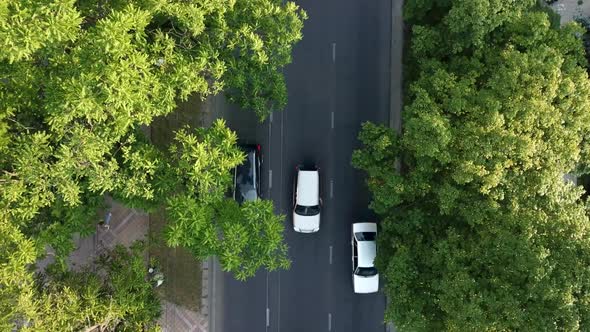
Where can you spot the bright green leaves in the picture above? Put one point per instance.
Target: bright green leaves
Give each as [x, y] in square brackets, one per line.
[121, 298]
[78, 81]
[465, 23]
[27, 186]
[17, 252]
[257, 241]
[262, 41]
[29, 25]
[191, 225]
[204, 158]
[378, 159]
[244, 238]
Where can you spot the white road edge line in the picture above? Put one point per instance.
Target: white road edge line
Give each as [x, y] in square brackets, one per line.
[332, 119]
[331, 188]
[269, 179]
[279, 309]
[269, 146]
[267, 309]
[329, 322]
[330, 255]
[334, 52]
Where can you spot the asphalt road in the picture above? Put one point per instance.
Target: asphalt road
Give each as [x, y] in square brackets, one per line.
[339, 78]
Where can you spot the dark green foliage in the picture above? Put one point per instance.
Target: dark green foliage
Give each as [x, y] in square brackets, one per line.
[480, 232]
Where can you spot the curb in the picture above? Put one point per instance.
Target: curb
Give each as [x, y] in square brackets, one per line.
[215, 285]
[213, 108]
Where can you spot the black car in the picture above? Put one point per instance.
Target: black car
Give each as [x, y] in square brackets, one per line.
[247, 175]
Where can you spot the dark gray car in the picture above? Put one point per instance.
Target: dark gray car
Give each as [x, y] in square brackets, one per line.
[247, 175]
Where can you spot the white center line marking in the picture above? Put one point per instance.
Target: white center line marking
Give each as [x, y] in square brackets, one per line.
[279, 310]
[267, 309]
[269, 179]
[269, 145]
[331, 188]
[332, 120]
[330, 255]
[334, 52]
[329, 322]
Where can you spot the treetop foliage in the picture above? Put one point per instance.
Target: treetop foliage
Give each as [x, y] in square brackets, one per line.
[78, 79]
[78, 82]
[480, 232]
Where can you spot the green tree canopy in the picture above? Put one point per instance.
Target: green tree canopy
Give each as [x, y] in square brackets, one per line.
[244, 238]
[480, 232]
[78, 79]
[461, 25]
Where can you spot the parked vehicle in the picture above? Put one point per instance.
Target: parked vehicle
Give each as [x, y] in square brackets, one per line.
[247, 175]
[306, 200]
[365, 278]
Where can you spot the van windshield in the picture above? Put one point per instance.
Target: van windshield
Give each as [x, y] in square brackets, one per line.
[366, 271]
[307, 210]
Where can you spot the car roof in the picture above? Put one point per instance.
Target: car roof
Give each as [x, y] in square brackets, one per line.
[367, 251]
[364, 227]
[308, 187]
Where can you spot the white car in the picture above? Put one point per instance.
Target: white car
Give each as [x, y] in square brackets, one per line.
[306, 201]
[365, 278]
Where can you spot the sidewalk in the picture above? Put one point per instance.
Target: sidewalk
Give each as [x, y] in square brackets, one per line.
[189, 313]
[127, 226]
[213, 108]
[569, 10]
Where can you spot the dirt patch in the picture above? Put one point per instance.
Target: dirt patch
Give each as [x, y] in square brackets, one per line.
[187, 113]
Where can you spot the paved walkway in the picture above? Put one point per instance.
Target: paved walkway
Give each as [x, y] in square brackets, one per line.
[125, 227]
[569, 10]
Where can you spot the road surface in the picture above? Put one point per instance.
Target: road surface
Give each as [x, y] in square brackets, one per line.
[339, 78]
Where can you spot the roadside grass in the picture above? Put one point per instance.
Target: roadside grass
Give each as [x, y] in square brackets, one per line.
[182, 272]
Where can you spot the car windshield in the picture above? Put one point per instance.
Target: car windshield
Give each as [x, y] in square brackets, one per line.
[307, 210]
[366, 271]
[246, 179]
[246, 175]
[365, 236]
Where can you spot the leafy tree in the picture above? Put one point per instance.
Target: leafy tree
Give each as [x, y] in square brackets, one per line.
[263, 41]
[462, 24]
[116, 296]
[480, 232]
[17, 296]
[244, 238]
[26, 26]
[488, 266]
[202, 160]
[78, 79]
[202, 219]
